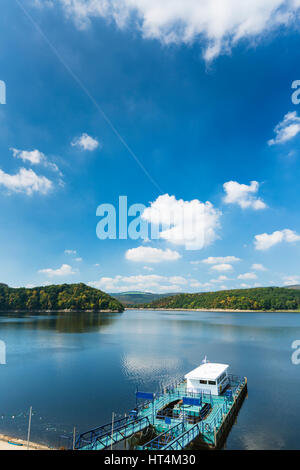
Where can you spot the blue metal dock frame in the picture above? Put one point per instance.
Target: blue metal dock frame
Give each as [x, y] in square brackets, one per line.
[180, 431]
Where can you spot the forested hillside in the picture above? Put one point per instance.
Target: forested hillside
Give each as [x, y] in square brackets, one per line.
[262, 298]
[135, 298]
[57, 297]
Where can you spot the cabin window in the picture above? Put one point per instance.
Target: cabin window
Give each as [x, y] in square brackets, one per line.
[211, 382]
[204, 382]
[222, 377]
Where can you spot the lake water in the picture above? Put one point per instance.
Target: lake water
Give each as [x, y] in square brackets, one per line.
[75, 369]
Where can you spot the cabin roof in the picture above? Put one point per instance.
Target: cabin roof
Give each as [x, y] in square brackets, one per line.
[209, 370]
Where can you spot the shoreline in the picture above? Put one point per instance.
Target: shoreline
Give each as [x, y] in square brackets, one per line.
[5, 444]
[61, 311]
[226, 310]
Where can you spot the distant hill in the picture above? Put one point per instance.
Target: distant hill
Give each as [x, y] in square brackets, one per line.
[57, 297]
[135, 298]
[293, 287]
[261, 298]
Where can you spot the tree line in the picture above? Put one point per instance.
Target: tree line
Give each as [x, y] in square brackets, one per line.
[261, 298]
[76, 297]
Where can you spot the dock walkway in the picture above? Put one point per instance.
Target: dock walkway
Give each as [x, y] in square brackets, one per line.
[176, 431]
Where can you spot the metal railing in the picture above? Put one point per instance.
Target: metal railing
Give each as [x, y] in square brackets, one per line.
[181, 441]
[118, 434]
[165, 437]
[89, 438]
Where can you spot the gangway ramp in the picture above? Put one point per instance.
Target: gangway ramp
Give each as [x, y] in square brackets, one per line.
[105, 436]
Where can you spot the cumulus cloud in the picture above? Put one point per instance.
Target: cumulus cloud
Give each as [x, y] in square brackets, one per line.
[35, 157]
[291, 280]
[265, 241]
[220, 259]
[200, 285]
[85, 142]
[64, 270]
[258, 267]
[147, 282]
[217, 25]
[147, 254]
[243, 195]
[219, 279]
[247, 276]
[288, 128]
[222, 267]
[193, 224]
[25, 181]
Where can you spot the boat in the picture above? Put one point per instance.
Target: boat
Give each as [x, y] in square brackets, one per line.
[201, 407]
[15, 443]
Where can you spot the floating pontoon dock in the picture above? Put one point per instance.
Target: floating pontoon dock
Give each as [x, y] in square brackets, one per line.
[179, 416]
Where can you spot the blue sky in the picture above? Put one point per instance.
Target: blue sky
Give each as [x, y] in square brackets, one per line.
[199, 105]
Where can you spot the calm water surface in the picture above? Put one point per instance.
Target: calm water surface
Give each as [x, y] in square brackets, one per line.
[75, 369]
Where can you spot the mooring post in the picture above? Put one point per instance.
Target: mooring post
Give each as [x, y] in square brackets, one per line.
[112, 429]
[74, 437]
[153, 409]
[29, 427]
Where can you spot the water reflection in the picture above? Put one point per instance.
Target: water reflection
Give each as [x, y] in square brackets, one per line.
[69, 322]
[76, 368]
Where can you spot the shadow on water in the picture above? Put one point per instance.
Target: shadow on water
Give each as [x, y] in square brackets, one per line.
[62, 322]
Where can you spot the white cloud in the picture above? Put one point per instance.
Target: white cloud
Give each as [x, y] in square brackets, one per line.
[146, 254]
[25, 181]
[86, 142]
[222, 267]
[247, 276]
[148, 268]
[192, 224]
[70, 252]
[220, 259]
[35, 157]
[64, 270]
[147, 282]
[217, 24]
[202, 285]
[291, 280]
[78, 260]
[265, 241]
[288, 128]
[258, 267]
[243, 195]
[219, 279]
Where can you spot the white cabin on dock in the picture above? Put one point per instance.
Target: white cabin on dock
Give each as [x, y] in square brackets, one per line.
[209, 377]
